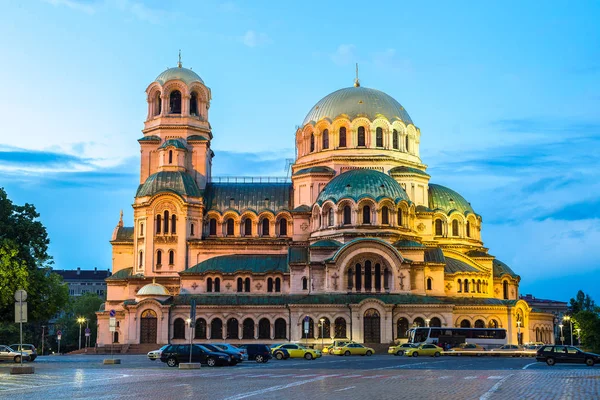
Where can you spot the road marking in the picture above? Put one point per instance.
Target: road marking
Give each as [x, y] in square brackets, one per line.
[494, 388]
[529, 365]
[350, 376]
[445, 377]
[373, 376]
[278, 387]
[404, 365]
[496, 377]
[470, 377]
[348, 388]
[30, 387]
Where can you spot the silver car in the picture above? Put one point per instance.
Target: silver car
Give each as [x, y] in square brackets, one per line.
[26, 348]
[155, 354]
[8, 354]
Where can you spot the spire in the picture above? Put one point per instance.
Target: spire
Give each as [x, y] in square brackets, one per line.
[356, 81]
[179, 62]
[120, 224]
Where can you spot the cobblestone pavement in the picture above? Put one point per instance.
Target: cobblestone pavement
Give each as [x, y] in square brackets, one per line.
[377, 377]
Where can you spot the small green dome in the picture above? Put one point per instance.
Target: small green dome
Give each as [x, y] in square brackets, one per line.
[173, 142]
[169, 181]
[357, 184]
[501, 269]
[179, 73]
[356, 102]
[447, 200]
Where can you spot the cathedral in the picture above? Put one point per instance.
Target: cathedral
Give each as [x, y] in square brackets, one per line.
[358, 244]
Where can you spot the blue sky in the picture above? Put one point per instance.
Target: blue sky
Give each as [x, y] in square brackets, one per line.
[506, 96]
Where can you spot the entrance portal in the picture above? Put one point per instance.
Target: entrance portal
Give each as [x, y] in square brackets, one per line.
[372, 326]
[148, 323]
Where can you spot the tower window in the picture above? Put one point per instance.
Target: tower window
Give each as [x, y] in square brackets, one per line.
[361, 136]
[141, 261]
[270, 285]
[406, 143]
[194, 104]
[379, 137]
[312, 143]
[265, 227]
[209, 285]
[347, 215]
[277, 285]
[159, 257]
[173, 224]
[247, 285]
[283, 227]
[429, 283]
[385, 217]
[166, 222]
[400, 217]
[212, 227]
[170, 156]
[455, 228]
[438, 227]
[230, 227]
[325, 139]
[171, 257]
[366, 215]
[247, 227]
[142, 229]
[240, 285]
[158, 223]
[304, 283]
[330, 217]
[395, 139]
[342, 137]
[158, 106]
[175, 102]
[217, 285]
[468, 229]
[192, 229]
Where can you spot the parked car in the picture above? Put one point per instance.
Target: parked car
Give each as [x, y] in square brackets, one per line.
[230, 347]
[467, 349]
[336, 343]
[298, 351]
[260, 353]
[155, 354]
[8, 354]
[25, 348]
[566, 354]
[424, 349]
[399, 349]
[280, 353]
[176, 353]
[512, 350]
[236, 356]
[353, 349]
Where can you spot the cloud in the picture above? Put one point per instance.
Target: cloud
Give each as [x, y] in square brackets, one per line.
[344, 54]
[83, 6]
[254, 39]
[16, 160]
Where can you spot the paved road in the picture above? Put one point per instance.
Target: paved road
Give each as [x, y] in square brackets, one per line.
[376, 377]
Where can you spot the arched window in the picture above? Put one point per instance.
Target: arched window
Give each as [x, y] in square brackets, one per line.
[233, 329]
[379, 137]
[402, 328]
[492, 323]
[466, 288]
[175, 102]
[361, 136]
[209, 285]
[158, 106]
[141, 258]
[212, 227]
[342, 137]
[283, 227]
[350, 279]
[311, 328]
[330, 217]
[435, 322]
[247, 227]
[400, 217]
[459, 290]
[357, 278]
[385, 217]
[347, 215]
[230, 227]
[366, 215]
[324, 328]
[217, 285]
[378, 277]
[194, 104]
[179, 329]
[386, 279]
[479, 324]
[265, 227]
[159, 257]
[419, 322]
[465, 323]
[478, 286]
[325, 139]
[339, 330]
[406, 143]
[312, 143]
[438, 227]
[277, 285]
[368, 276]
[429, 283]
[270, 285]
[192, 230]
[264, 329]
[247, 285]
[166, 222]
[173, 224]
[200, 329]
[171, 257]
[505, 290]
[468, 229]
[248, 329]
[280, 328]
[304, 283]
[170, 156]
[142, 229]
[158, 223]
[395, 139]
[216, 329]
[455, 228]
[240, 285]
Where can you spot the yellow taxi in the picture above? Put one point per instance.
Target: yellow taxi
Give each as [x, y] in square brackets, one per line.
[298, 351]
[399, 349]
[353, 349]
[336, 343]
[424, 349]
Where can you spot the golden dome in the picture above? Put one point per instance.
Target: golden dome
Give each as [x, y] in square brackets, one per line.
[153, 289]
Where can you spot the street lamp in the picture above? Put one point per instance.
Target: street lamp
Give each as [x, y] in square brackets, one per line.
[562, 339]
[568, 318]
[518, 332]
[189, 322]
[80, 321]
[578, 336]
[322, 321]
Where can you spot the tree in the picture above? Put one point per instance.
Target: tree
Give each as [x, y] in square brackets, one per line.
[589, 323]
[581, 302]
[84, 306]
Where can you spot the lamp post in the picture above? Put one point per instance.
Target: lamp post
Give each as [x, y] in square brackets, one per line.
[578, 336]
[562, 339]
[189, 322]
[43, 331]
[322, 321]
[518, 332]
[80, 321]
[568, 318]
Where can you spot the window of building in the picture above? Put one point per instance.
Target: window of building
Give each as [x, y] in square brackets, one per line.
[192, 229]
[141, 258]
[233, 328]
[170, 156]
[179, 329]
[304, 283]
[230, 227]
[265, 227]
[166, 222]
[438, 227]
[158, 106]
[505, 290]
[466, 286]
[200, 329]
[173, 224]
[217, 285]
[194, 104]
[248, 329]
[455, 228]
[361, 136]
[385, 217]
[280, 328]
[347, 215]
[459, 290]
[325, 139]
[212, 227]
[277, 285]
[283, 227]
[209, 285]
[339, 330]
[465, 323]
[366, 215]
[330, 217]
[264, 329]
[406, 143]
[159, 257]
[312, 143]
[171, 257]
[468, 229]
[395, 139]
[247, 227]
[247, 285]
[342, 137]
[158, 223]
[379, 137]
[142, 229]
[216, 329]
[400, 217]
[429, 283]
[270, 285]
[175, 102]
[240, 285]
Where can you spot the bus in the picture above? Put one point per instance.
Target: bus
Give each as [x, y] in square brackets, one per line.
[487, 337]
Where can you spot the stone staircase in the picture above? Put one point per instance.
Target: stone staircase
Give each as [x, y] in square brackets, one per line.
[142, 348]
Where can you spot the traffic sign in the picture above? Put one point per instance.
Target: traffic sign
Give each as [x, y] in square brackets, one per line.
[58, 337]
[87, 331]
[59, 333]
[193, 310]
[21, 312]
[112, 313]
[20, 295]
[306, 327]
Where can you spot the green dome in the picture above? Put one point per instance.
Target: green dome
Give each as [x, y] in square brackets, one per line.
[447, 200]
[360, 183]
[501, 269]
[173, 142]
[358, 102]
[178, 73]
[169, 181]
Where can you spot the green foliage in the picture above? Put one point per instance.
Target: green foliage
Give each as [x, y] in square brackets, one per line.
[84, 306]
[581, 302]
[14, 274]
[589, 323]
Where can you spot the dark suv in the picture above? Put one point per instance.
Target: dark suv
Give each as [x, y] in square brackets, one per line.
[176, 353]
[566, 354]
[259, 352]
[236, 356]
